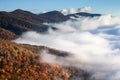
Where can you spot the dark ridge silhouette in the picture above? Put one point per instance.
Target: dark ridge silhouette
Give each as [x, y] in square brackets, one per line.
[15, 23]
[20, 21]
[28, 16]
[84, 14]
[54, 16]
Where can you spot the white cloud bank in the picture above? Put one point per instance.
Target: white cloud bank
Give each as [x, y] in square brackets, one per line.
[93, 43]
[87, 23]
[72, 10]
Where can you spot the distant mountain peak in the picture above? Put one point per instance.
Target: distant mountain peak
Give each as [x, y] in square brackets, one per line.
[52, 13]
[54, 16]
[21, 11]
[84, 14]
[18, 10]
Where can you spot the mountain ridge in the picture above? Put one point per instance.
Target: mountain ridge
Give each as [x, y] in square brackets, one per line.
[23, 61]
[84, 14]
[19, 21]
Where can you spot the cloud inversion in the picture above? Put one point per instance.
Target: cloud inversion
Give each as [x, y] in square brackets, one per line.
[93, 43]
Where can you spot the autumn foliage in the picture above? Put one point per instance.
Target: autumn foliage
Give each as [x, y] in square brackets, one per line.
[7, 35]
[18, 63]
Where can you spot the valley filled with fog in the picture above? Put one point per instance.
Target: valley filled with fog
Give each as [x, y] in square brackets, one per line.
[92, 42]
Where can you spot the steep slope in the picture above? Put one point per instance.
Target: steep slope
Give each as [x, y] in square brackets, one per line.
[7, 35]
[18, 25]
[18, 63]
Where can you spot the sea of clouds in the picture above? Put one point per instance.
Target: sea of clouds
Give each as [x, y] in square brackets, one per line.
[93, 42]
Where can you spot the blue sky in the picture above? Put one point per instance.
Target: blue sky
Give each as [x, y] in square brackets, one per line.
[99, 6]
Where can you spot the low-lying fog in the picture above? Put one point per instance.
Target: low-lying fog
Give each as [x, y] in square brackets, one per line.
[93, 42]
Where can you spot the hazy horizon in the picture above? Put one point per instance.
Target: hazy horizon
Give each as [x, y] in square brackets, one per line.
[98, 6]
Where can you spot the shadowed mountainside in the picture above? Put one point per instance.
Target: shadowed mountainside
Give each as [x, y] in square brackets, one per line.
[54, 16]
[19, 21]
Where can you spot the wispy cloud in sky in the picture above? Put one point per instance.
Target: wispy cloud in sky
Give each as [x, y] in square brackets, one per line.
[72, 10]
